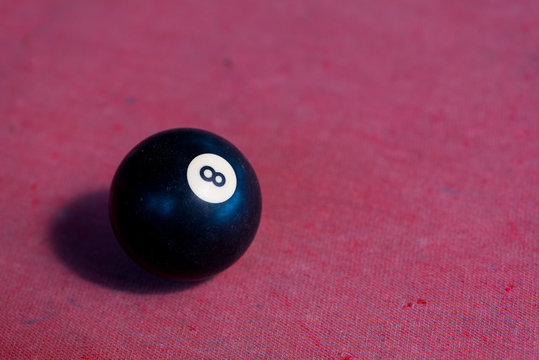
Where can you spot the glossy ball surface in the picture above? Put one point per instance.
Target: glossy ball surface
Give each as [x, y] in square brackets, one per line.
[185, 204]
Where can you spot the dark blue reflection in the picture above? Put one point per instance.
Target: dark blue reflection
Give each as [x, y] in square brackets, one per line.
[162, 204]
[229, 208]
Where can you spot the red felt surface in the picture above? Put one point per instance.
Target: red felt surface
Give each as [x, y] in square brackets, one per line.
[396, 143]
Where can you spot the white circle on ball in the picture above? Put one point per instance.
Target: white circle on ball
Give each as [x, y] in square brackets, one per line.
[211, 178]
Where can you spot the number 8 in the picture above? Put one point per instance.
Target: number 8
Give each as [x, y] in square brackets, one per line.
[216, 178]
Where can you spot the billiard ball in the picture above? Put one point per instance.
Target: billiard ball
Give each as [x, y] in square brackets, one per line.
[185, 204]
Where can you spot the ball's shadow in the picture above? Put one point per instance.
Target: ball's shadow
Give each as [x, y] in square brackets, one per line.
[82, 237]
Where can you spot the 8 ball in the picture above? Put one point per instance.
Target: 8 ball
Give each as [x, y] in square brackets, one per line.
[185, 204]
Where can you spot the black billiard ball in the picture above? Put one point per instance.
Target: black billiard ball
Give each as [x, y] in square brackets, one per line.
[185, 204]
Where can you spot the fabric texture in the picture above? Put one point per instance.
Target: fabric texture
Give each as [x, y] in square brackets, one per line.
[396, 143]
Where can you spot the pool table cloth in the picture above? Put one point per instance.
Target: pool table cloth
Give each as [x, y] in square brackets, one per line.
[397, 148]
